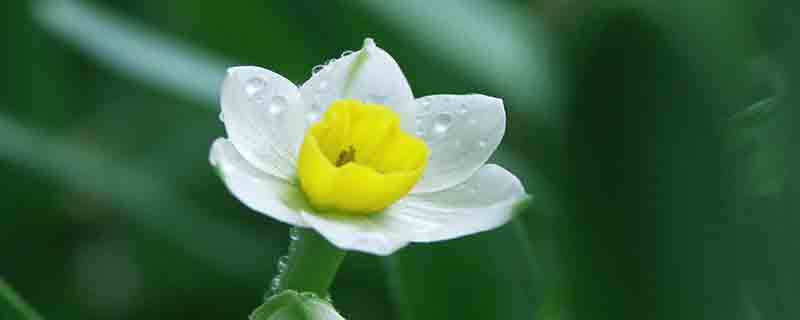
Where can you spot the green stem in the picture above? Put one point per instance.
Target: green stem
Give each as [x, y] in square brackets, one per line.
[312, 264]
[12, 305]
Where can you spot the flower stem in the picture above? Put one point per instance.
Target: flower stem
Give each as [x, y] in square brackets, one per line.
[312, 264]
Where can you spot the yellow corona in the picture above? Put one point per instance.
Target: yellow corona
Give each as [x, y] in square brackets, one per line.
[357, 160]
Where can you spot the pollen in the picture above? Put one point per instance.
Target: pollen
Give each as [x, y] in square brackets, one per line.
[357, 160]
[346, 156]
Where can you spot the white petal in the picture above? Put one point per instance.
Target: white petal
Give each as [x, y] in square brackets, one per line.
[485, 201]
[256, 189]
[370, 75]
[462, 131]
[368, 234]
[264, 117]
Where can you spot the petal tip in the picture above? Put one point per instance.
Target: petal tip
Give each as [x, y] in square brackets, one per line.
[369, 43]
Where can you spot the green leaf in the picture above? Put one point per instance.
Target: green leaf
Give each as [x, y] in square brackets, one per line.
[134, 50]
[756, 141]
[147, 201]
[12, 307]
[486, 276]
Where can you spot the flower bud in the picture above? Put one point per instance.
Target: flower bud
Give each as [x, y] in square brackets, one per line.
[291, 305]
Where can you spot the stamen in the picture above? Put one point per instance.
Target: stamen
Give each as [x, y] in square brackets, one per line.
[346, 156]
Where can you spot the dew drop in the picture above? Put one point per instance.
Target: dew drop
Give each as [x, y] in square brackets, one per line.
[278, 105]
[255, 88]
[442, 122]
[308, 295]
[275, 284]
[283, 264]
[222, 117]
[312, 116]
[316, 69]
[462, 110]
[316, 110]
[425, 106]
[377, 98]
[346, 53]
[294, 234]
[483, 143]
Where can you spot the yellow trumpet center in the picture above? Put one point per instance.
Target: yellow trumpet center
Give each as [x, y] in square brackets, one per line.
[357, 160]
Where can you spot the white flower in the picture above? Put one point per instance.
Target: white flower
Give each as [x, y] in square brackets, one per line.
[267, 119]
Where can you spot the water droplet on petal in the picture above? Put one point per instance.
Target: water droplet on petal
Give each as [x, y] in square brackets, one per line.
[222, 117]
[462, 110]
[346, 53]
[313, 115]
[278, 105]
[377, 98]
[442, 122]
[483, 143]
[256, 89]
[425, 106]
[316, 69]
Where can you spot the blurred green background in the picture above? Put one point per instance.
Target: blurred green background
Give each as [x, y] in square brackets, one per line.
[655, 138]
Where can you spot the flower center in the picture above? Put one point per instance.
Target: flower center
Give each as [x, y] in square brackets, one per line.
[346, 156]
[357, 160]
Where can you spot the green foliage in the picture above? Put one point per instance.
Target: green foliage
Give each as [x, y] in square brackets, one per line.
[756, 141]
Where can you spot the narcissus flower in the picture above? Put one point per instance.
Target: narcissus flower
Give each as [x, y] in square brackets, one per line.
[352, 154]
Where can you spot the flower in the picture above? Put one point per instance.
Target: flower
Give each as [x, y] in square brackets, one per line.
[352, 154]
